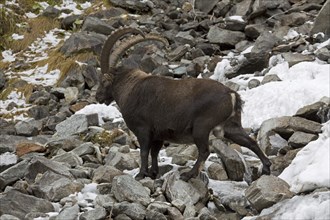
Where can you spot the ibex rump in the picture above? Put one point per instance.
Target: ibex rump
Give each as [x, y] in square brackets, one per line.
[158, 109]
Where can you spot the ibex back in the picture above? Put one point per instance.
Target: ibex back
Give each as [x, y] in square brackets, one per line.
[159, 109]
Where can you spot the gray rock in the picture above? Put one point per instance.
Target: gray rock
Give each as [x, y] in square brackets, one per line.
[281, 162]
[27, 128]
[175, 188]
[229, 193]
[126, 188]
[2, 80]
[105, 174]
[224, 37]
[13, 173]
[300, 139]
[217, 171]
[76, 124]
[83, 42]
[205, 6]
[135, 211]
[120, 160]
[151, 214]
[179, 204]
[8, 217]
[241, 8]
[323, 54]
[294, 58]
[38, 112]
[133, 5]
[54, 187]
[270, 78]
[189, 212]
[253, 31]
[51, 12]
[253, 83]
[321, 21]
[267, 191]
[69, 158]
[18, 204]
[318, 111]
[68, 213]
[174, 213]
[232, 161]
[83, 149]
[284, 125]
[99, 213]
[184, 37]
[293, 19]
[90, 75]
[160, 207]
[96, 25]
[40, 165]
[105, 201]
[234, 24]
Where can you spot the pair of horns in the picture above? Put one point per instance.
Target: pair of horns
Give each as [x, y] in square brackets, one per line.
[109, 58]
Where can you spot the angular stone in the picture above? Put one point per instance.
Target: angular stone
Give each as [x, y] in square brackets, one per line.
[189, 212]
[99, 213]
[313, 111]
[175, 188]
[105, 174]
[285, 125]
[54, 187]
[267, 191]
[83, 42]
[160, 207]
[96, 25]
[151, 215]
[104, 201]
[120, 160]
[174, 213]
[25, 128]
[294, 58]
[8, 217]
[13, 173]
[27, 147]
[68, 213]
[253, 83]
[69, 158]
[205, 6]
[224, 37]
[126, 188]
[40, 165]
[76, 124]
[85, 148]
[135, 211]
[232, 161]
[300, 139]
[18, 204]
[217, 171]
[321, 21]
[270, 78]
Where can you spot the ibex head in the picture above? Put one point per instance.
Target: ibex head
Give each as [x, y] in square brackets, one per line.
[110, 58]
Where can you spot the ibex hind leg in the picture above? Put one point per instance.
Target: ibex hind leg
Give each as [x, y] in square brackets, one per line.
[239, 136]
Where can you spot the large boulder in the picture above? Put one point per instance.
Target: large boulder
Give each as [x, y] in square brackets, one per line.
[267, 191]
[321, 23]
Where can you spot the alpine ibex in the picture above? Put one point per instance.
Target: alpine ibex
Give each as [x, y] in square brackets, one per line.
[159, 109]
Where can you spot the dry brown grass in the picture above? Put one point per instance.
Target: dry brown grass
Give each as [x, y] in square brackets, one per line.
[17, 85]
[36, 29]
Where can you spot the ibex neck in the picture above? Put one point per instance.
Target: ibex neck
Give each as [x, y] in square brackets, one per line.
[124, 82]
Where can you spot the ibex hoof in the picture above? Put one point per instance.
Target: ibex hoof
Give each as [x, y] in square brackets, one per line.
[265, 170]
[140, 176]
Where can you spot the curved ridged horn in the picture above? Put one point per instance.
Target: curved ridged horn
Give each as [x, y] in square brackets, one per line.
[110, 42]
[123, 47]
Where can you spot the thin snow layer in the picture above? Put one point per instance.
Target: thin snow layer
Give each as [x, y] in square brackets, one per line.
[312, 206]
[103, 111]
[310, 169]
[8, 159]
[301, 85]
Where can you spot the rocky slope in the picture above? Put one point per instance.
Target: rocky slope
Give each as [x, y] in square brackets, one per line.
[57, 163]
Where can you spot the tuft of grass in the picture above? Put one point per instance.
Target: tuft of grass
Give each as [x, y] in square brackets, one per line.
[8, 21]
[36, 29]
[18, 85]
[106, 138]
[56, 60]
